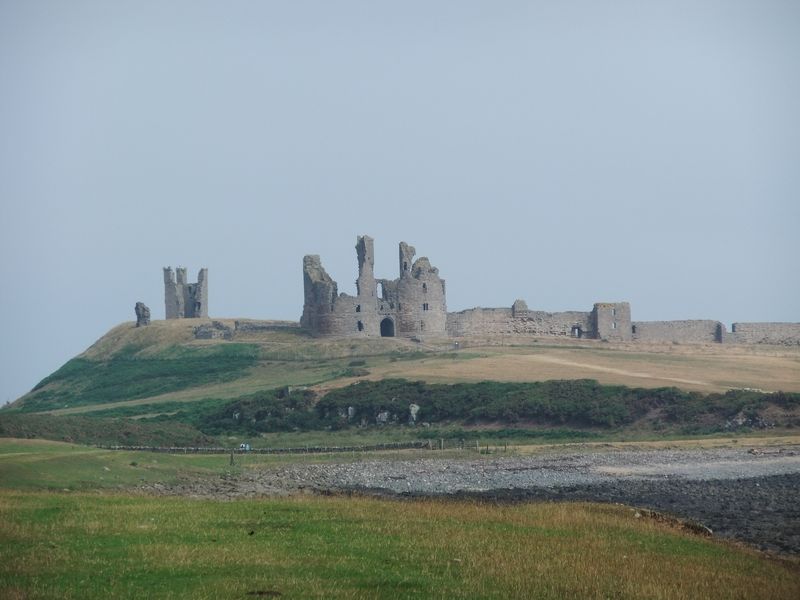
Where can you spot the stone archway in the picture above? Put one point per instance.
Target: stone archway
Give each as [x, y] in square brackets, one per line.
[387, 328]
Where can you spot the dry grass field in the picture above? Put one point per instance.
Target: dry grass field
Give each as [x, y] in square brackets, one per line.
[705, 368]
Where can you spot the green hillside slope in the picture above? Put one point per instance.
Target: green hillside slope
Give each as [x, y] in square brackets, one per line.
[274, 378]
[164, 363]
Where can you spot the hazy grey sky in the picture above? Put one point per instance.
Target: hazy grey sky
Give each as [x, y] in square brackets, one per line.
[564, 152]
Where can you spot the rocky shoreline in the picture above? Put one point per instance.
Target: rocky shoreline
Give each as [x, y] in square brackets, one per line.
[750, 495]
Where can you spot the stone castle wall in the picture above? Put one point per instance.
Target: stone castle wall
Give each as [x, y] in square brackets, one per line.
[606, 321]
[786, 334]
[690, 331]
[504, 321]
[415, 304]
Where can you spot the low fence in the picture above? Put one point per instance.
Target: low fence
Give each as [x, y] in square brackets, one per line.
[429, 444]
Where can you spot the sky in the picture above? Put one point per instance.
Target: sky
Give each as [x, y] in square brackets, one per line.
[562, 152]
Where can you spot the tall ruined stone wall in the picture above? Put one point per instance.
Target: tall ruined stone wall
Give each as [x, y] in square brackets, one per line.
[786, 334]
[508, 321]
[690, 331]
[183, 299]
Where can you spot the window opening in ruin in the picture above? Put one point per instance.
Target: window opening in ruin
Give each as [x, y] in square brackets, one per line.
[358, 308]
[633, 328]
[613, 324]
[613, 312]
[360, 326]
[425, 306]
[424, 288]
[577, 332]
[405, 266]
[387, 328]
[422, 325]
[380, 290]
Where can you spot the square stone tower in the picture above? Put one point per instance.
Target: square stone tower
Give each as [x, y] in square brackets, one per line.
[612, 321]
[183, 300]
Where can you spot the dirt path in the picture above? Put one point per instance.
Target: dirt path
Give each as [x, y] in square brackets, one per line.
[623, 372]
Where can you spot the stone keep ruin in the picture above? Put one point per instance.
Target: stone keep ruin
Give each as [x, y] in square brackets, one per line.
[415, 305]
[183, 299]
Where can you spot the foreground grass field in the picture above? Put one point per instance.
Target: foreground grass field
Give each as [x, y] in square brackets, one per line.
[101, 546]
[72, 526]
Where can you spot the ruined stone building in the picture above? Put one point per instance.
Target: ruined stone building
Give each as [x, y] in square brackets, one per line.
[415, 305]
[183, 299]
[412, 304]
[606, 320]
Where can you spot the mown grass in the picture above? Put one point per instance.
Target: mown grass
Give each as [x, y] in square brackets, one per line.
[101, 546]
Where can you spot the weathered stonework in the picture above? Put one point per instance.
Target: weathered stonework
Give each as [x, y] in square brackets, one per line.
[182, 299]
[612, 321]
[692, 331]
[142, 314]
[785, 334]
[414, 304]
[213, 331]
[609, 321]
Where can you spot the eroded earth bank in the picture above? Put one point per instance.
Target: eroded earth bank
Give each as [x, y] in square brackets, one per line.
[749, 494]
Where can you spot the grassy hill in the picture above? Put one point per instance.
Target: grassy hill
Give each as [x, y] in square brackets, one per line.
[161, 374]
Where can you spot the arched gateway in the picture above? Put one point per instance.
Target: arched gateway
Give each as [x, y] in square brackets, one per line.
[387, 328]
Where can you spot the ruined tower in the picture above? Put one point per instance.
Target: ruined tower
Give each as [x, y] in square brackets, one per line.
[413, 304]
[182, 299]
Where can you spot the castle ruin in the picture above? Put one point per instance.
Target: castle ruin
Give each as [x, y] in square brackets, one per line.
[410, 305]
[183, 300]
[414, 305]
